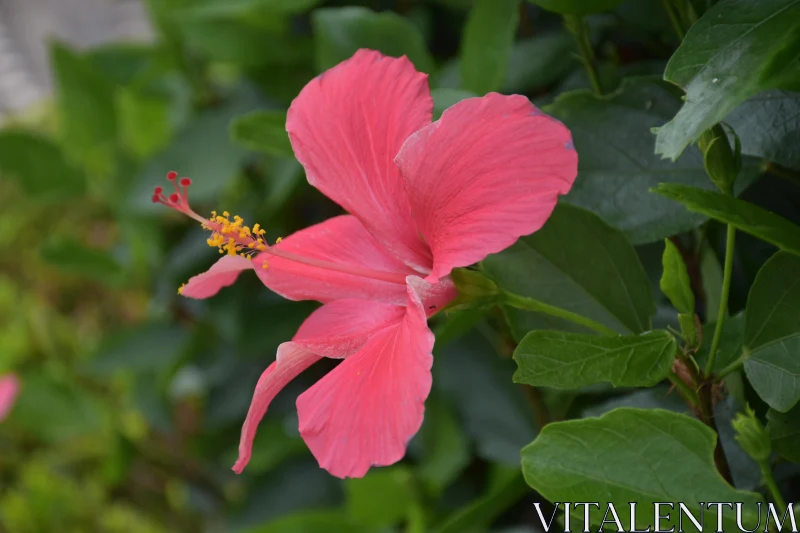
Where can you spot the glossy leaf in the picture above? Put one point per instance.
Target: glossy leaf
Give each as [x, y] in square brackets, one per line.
[310, 521]
[444, 446]
[150, 347]
[768, 125]
[622, 456]
[743, 215]
[264, 131]
[38, 166]
[784, 430]
[577, 7]
[340, 32]
[772, 332]
[381, 498]
[736, 50]
[578, 263]
[486, 44]
[617, 166]
[570, 360]
[539, 62]
[675, 283]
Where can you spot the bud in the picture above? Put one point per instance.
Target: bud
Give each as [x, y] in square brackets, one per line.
[475, 289]
[722, 164]
[751, 435]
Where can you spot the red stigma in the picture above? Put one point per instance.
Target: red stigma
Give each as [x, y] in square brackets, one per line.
[178, 200]
[185, 182]
[158, 190]
[172, 175]
[174, 198]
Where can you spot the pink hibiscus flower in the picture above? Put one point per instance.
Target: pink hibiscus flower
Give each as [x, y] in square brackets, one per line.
[424, 197]
[9, 388]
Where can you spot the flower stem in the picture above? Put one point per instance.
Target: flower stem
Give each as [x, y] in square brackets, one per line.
[730, 242]
[686, 390]
[529, 304]
[769, 481]
[577, 26]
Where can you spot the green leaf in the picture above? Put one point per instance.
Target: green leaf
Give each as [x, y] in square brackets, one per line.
[577, 7]
[493, 410]
[617, 166]
[339, 32]
[571, 360]
[736, 50]
[145, 348]
[381, 498]
[486, 44]
[444, 447]
[743, 215]
[202, 150]
[55, 411]
[784, 430]
[264, 131]
[551, 266]
[250, 7]
[72, 257]
[768, 125]
[538, 62]
[622, 456]
[730, 345]
[675, 283]
[38, 166]
[144, 121]
[772, 332]
[85, 99]
[505, 490]
[310, 521]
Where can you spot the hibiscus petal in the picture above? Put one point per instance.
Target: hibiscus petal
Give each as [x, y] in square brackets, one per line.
[9, 388]
[365, 411]
[341, 240]
[489, 171]
[341, 327]
[346, 127]
[222, 274]
[290, 361]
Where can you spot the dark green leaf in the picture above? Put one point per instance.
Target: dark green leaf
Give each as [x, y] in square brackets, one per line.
[538, 62]
[381, 498]
[149, 347]
[675, 283]
[578, 263]
[730, 345]
[772, 332]
[339, 32]
[310, 521]
[768, 125]
[617, 166]
[505, 489]
[38, 165]
[250, 7]
[784, 430]
[743, 215]
[202, 150]
[444, 446]
[632, 455]
[144, 122]
[571, 360]
[86, 106]
[486, 45]
[75, 258]
[264, 131]
[492, 408]
[577, 7]
[736, 50]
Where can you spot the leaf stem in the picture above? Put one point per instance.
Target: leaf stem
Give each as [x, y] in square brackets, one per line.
[673, 19]
[769, 481]
[685, 389]
[580, 31]
[730, 242]
[529, 304]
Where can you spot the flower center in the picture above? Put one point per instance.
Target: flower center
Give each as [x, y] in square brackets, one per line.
[232, 237]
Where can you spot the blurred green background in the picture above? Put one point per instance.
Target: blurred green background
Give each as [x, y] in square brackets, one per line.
[133, 397]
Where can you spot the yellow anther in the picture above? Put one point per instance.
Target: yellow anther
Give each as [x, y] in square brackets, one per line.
[213, 214]
[264, 265]
[261, 248]
[180, 289]
[278, 240]
[226, 214]
[256, 228]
